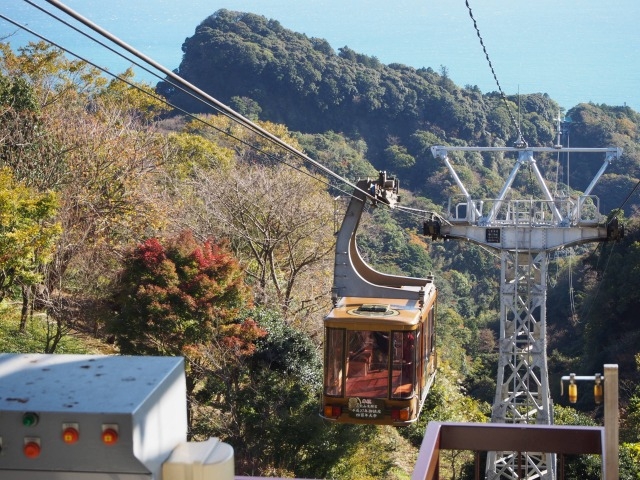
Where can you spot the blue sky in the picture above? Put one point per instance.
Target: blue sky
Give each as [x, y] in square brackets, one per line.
[574, 50]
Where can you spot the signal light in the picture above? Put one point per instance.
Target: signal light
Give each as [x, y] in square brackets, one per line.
[109, 435]
[70, 434]
[400, 414]
[332, 411]
[31, 448]
[573, 388]
[30, 419]
[598, 387]
[598, 393]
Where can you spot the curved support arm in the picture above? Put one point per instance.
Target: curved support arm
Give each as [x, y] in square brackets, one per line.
[353, 277]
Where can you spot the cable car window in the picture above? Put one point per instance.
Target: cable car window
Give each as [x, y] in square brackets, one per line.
[425, 353]
[367, 364]
[404, 364]
[334, 361]
[432, 330]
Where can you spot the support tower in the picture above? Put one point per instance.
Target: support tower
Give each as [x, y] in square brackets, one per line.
[523, 232]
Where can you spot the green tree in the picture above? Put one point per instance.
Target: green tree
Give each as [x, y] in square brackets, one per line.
[27, 236]
[66, 129]
[608, 306]
[340, 154]
[192, 151]
[630, 431]
[181, 297]
[246, 107]
[263, 401]
[398, 158]
[26, 148]
[268, 397]
[447, 402]
[630, 435]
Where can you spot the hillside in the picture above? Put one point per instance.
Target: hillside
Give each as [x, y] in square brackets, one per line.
[266, 71]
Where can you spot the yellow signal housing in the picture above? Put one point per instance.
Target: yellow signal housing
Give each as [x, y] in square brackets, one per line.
[598, 392]
[573, 389]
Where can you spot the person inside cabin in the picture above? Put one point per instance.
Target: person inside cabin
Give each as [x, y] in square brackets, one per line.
[380, 349]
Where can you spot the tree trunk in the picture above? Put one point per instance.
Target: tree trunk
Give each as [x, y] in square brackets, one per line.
[24, 313]
[53, 339]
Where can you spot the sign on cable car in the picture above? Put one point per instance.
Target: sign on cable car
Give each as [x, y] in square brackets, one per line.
[370, 408]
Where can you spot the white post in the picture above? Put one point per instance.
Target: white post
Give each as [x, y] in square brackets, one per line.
[611, 436]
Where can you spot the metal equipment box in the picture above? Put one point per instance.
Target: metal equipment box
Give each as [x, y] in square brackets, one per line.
[89, 417]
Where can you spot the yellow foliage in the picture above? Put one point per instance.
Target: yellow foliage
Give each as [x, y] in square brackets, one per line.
[228, 133]
[28, 233]
[49, 70]
[627, 127]
[136, 97]
[191, 151]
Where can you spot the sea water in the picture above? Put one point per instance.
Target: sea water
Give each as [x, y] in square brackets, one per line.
[575, 50]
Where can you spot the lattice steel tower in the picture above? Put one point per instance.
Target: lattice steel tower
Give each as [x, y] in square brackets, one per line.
[523, 231]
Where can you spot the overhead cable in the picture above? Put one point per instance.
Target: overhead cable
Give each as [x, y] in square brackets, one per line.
[176, 78]
[163, 100]
[521, 140]
[185, 87]
[133, 61]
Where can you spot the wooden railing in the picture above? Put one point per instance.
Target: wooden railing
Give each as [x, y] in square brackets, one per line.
[486, 437]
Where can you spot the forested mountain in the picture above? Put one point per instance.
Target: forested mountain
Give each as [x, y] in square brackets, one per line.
[157, 233]
[265, 71]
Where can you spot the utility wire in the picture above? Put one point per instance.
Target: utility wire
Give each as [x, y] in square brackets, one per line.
[120, 54]
[200, 93]
[166, 102]
[214, 104]
[129, 59]
[629, 196]
[521, 141]
[594, 297]
[93, 39]
[206, 99]
[259, 132]
[202, 97]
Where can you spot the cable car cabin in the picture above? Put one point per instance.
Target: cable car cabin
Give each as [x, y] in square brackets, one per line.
[380, 360]
[379, 346]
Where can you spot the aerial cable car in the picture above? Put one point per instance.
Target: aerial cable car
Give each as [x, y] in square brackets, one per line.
[379, 346]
